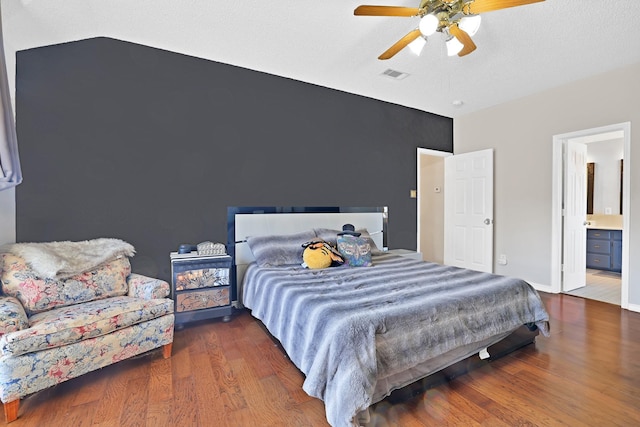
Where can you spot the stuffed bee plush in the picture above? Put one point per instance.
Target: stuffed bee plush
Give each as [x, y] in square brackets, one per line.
[320, 254]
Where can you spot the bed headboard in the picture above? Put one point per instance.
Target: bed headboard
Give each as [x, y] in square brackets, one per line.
[243, 222]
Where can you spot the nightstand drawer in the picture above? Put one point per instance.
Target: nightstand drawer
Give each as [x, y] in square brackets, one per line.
[197, 300]
[202, 278]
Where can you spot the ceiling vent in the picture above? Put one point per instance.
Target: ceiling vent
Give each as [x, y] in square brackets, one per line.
[393, 74]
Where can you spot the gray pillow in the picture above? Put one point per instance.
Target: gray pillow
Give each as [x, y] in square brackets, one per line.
[275, 250]
[328, 235]
[331, 236]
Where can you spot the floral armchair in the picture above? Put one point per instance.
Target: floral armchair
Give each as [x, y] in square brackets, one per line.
[52, 330]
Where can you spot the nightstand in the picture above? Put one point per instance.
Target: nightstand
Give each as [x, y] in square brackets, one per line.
[201, 288]
[406, 253]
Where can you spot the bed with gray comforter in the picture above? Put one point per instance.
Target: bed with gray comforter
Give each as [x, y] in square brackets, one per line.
[357, 334]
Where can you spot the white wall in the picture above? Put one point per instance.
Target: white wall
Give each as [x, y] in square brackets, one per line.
[7, 216]
[521, 133]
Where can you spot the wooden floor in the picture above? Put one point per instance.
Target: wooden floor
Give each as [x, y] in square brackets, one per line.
[231, 374]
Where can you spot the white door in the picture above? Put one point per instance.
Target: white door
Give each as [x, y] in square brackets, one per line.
[574, 256]
[468, 206]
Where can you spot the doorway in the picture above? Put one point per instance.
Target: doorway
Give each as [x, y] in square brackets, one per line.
[559, 202]
[430, 207]
[455, 208]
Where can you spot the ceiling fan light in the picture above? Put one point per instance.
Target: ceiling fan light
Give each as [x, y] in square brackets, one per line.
[428, 24]
[417, 45]
[453, 46]
[470, 24]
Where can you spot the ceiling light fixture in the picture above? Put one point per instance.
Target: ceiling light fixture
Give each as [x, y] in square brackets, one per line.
[429, 24]
[458, 20]
[470, 24]
[417, 45]
[453, 46]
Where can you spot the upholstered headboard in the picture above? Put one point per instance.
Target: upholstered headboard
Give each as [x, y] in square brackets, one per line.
[244, 222]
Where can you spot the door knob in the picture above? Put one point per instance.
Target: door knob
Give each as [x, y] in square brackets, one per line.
[487, 221]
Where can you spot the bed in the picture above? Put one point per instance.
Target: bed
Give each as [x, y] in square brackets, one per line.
[359, 333]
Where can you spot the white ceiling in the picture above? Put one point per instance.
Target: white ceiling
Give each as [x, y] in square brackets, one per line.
[522, 50]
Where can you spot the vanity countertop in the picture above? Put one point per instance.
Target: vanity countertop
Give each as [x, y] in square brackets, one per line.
[605, 222]
[604, 227]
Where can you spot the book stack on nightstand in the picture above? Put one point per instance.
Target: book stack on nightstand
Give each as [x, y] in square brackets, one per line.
[201, 288]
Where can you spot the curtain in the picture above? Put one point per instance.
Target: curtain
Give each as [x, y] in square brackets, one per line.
[10, 174]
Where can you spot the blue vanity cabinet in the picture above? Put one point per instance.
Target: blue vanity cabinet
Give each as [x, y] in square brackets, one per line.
[616, 251]
[604, 249]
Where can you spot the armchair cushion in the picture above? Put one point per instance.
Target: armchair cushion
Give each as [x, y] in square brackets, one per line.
[68, 325]
[37, 294]
[12, 316]
[147, 287]
[29, 373]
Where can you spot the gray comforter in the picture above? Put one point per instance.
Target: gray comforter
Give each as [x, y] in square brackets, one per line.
[346, 328]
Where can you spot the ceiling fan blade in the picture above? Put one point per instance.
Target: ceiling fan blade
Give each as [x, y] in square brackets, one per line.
[481, 6]
[400, 44]
[385, 11]
[464, 38]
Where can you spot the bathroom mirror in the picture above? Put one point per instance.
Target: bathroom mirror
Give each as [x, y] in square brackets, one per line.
[604, 187]
[590, 178]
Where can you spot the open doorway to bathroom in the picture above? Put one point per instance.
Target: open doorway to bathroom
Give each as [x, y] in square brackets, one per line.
[605, 166]
[606, 253]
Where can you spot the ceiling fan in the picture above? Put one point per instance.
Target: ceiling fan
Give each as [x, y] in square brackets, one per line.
[458, 20]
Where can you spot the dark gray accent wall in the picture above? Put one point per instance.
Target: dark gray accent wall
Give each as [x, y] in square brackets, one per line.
[122, 140]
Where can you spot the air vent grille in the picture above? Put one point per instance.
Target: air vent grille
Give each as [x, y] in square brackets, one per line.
[394, 74]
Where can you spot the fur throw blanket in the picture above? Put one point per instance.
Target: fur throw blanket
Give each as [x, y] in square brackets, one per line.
[61, 260]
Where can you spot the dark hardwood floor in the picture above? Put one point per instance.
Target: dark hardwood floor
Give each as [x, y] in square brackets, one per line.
[231, 374]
